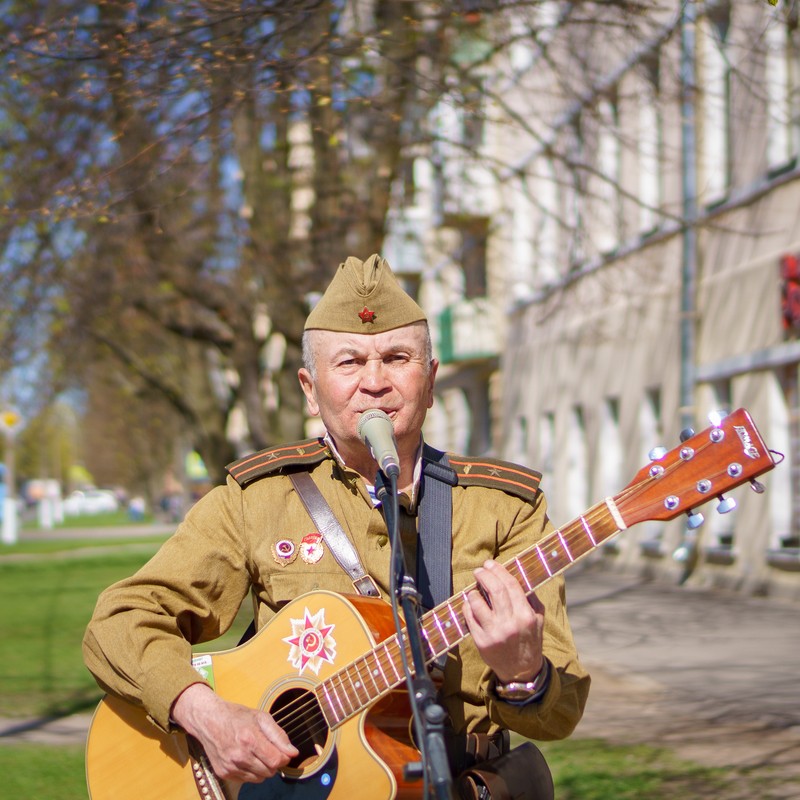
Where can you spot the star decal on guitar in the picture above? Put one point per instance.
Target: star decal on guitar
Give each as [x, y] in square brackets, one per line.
[311, 642]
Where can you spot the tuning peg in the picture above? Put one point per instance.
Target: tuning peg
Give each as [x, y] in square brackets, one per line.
[657, 453]
[687, 433]
[696, 519]
[725, 504]
[757, 486]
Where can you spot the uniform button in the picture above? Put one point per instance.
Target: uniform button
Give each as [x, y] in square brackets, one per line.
[383, 541]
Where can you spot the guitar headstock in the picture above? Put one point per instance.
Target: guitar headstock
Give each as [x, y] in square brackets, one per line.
[703, 467]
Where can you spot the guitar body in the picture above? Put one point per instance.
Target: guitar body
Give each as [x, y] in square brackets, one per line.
[128, 758]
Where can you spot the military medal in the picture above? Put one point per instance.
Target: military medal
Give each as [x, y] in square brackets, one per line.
[284, 552]
[311, 548]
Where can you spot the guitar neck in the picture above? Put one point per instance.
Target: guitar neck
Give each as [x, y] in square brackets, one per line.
[720, 458]
[376, 673]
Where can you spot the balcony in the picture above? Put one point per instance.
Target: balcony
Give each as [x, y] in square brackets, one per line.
[468, 331]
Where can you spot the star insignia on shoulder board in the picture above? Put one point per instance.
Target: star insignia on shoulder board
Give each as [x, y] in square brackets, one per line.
[494, 471]
[367, 315]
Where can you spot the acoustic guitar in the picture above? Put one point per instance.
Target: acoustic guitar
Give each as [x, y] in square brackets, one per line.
[329, 669]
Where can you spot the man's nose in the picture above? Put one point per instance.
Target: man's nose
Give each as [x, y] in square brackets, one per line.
[374, 376]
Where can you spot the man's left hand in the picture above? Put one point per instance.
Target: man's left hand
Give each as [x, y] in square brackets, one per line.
[508, 629]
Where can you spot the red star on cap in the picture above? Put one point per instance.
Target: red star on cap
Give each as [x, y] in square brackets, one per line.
[367, 315]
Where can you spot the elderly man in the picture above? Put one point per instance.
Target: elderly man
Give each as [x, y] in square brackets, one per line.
[366, 346]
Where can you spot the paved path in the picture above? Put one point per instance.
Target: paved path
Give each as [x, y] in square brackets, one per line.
[713, 675]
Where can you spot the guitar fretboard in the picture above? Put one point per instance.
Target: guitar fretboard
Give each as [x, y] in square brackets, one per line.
[349, 691]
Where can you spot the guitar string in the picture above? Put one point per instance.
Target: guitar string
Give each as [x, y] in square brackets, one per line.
[298, 711]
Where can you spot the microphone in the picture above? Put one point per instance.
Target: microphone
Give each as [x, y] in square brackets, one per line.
[375, 429]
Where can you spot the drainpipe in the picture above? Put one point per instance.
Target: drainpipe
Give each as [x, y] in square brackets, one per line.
[689, 189]
[688, 551]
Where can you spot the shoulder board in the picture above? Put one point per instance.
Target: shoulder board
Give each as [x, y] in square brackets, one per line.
[495, 474]
[277, 459]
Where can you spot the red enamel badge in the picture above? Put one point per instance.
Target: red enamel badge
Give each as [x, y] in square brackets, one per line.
[367, 315]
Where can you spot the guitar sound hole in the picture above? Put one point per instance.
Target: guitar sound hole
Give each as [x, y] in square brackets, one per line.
[298, 713]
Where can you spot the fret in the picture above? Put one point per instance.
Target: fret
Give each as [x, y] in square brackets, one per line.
[454, 617]
[329, 702]
[431, 651]
[564, 545]
[355, 686]
[588, 531]
[369, 672]
[524, 574]
[337, 699]
[397, 675]
[380, 667]
[543, 560]
[441, 628]
[346, 692]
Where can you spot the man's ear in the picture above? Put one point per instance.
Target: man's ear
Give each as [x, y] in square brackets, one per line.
[307, 385]
[432, 379]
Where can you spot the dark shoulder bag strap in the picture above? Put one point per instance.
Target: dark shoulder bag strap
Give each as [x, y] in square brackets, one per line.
[434, 550]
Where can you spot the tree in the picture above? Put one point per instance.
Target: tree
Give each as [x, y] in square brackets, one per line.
[185, 175]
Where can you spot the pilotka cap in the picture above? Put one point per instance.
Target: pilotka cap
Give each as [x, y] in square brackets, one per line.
[364, 297]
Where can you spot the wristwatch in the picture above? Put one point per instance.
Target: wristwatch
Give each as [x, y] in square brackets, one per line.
[524, 691]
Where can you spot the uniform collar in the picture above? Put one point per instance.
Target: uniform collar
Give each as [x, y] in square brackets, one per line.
[408, 500]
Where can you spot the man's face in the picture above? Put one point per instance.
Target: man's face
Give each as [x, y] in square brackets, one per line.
[358, 372]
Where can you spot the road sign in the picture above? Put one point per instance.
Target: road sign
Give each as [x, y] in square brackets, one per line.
[10, 420]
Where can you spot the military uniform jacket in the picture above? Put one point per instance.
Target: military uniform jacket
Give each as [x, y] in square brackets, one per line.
[254, 531]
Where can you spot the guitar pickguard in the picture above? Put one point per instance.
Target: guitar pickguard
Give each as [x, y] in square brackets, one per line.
[316, 787]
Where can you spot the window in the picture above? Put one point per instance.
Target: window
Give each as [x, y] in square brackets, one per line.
[714, 80]
[782, 82]
[546, 227]
[610, 456]
[472, 256]
[573, 197]
[606, 196]
[782, 436]
[523, 214]
[547, 449]
[577, 488]
[648, 148]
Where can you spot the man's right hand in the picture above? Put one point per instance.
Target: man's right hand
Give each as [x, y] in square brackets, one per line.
[243, 744]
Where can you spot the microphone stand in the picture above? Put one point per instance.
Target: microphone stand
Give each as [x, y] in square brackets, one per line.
[427, 713]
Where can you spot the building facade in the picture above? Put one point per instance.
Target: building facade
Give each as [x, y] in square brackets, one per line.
[622, 260]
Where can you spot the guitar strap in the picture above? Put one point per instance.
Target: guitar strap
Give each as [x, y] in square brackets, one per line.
[434, 578]
[434, 557]
[326, 523]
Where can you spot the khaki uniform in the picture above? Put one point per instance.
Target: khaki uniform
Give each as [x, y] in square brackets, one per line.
[255, 530]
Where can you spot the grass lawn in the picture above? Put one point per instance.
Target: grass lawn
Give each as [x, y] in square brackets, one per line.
[582, 770]
[45, 604]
